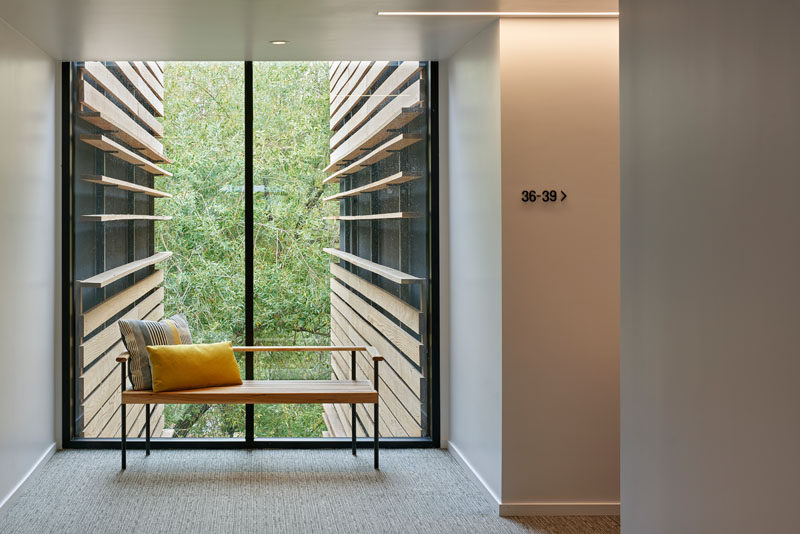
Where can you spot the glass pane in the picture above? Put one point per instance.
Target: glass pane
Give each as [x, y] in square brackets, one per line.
[368, 120]
[290, 149]
[204, 136]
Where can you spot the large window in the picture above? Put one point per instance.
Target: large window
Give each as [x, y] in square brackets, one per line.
[272, 204]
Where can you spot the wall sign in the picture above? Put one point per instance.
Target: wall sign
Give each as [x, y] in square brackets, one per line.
[547, 195]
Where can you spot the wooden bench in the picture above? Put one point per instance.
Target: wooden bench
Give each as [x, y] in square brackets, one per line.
[266, 392]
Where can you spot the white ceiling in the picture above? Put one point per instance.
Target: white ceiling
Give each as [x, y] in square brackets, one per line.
[242, 29]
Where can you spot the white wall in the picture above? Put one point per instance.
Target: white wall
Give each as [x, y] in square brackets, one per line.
[710, 266]
[475, 251]
[534, 289]
[27, 239]
[559, 87]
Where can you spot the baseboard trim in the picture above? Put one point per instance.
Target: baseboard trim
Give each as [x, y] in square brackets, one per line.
[12, 496]
[535, 508]
[463, 461]
[558, 508]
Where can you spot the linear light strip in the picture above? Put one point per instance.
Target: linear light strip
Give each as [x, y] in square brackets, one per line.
[529, 14]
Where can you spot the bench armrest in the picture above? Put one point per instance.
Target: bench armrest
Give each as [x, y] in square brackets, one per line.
[289, 348]
[373, 352]
[124, 357]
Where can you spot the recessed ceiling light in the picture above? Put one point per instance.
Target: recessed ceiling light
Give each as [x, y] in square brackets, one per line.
[279, 42]
[530, 14]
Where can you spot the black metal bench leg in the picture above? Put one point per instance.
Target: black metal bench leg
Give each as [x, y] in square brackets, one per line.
[376, 431]
[376, 438]
[124, 427]
[147, 430]
[123, 432]
[353, 426]
[353, 406]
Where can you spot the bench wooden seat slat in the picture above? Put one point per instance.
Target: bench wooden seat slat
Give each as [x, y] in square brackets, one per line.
[264, 392]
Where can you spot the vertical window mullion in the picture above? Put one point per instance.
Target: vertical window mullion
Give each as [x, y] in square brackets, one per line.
[249, 240]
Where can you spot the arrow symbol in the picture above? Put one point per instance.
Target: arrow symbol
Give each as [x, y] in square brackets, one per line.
[563, 196]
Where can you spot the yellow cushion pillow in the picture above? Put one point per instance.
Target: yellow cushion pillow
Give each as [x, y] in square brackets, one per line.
[178, 367]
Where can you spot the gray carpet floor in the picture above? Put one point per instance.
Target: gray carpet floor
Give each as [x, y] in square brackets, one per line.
[416, 491]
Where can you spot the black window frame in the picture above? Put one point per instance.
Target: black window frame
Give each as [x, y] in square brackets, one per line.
[249, 441]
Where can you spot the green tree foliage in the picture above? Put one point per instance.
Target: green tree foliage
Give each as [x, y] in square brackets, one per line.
[204, 136]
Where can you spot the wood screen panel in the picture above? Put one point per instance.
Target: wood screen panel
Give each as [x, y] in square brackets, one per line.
[117, 160]
[115, 87]
[379, 293]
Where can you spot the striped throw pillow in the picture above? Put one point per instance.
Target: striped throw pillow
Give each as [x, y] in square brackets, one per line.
[137, 335]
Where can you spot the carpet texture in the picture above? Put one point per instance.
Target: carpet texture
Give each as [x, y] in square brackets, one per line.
[416, 491]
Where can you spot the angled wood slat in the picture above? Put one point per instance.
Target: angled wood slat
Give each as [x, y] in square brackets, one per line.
[388, 399]
[345, 103]
[396, 384]
[338, 73]
[107, 393]
[338, 99]
[375, 216]
[332, 68]
[157, 314]
[343, 79]
[106, 364]
[110, 126]
[141, 87]
[151, 306]
[387, 90]
[101, 350]
[384, 183]
[107, 424]
[125, 186]
[111, 217]
[135, 419]
[158, 427]
[111, 84]
[107, 116]
[389, 426]
[94, 375]
[161, 65]
[153, 67]
[400, 111]
[395, 360]
[95, 427]
[406, 313]
[361, 417]
[136, 424]
[94, 347]
[368, 138]
[357, 95]
[149, 79]
[112, 275]
[335, 70]
[398, 277]
[389, 402]
[344, 413]
[107, 145]
[411, 347]
[101, 313]
[332, 422]
[393, 145]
